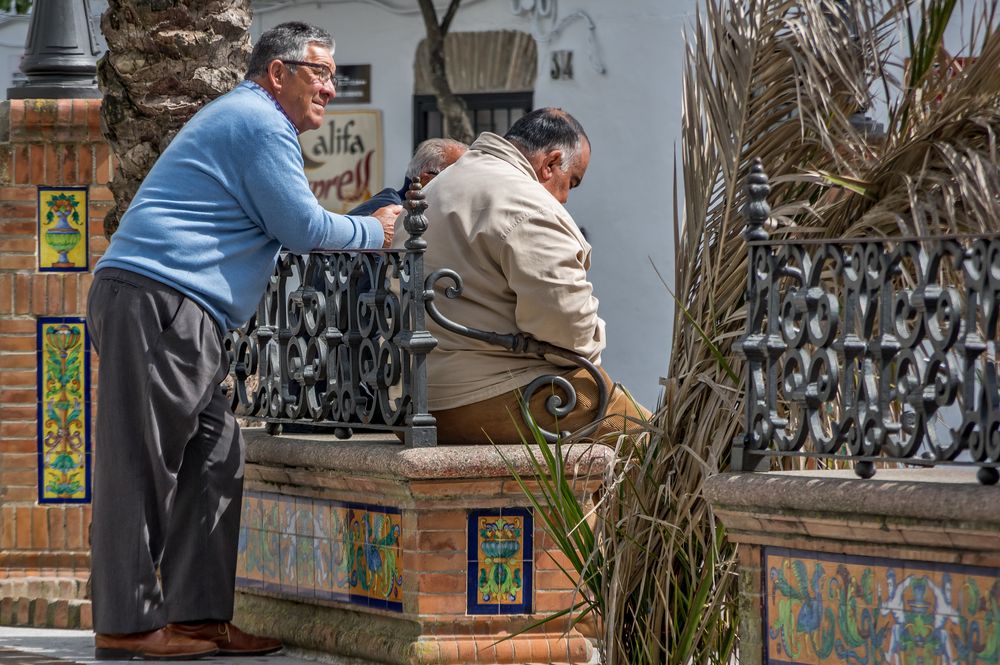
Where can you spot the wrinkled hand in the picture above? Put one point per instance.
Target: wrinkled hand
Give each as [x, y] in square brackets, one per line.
[387, 215]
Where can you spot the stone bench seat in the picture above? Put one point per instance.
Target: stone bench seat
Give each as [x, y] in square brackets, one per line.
[368, 549]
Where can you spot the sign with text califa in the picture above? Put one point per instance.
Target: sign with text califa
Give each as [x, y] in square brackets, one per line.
[344, 158]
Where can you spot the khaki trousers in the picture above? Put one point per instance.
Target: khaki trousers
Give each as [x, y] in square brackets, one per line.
[498, 419]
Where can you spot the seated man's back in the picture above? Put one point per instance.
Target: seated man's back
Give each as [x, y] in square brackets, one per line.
[496, 217]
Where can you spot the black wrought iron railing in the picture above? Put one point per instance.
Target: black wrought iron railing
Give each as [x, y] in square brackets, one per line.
[340, 340]
[870, 350]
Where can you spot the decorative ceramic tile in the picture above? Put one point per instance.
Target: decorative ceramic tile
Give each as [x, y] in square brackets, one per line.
[340, 570]
[373, 549]
[322, 559]
[249, 561]
[63, 410]
[500, 556]
[288, 563]
[823, 609]
[324, 549]
[62, 229]
[305, 566]
[269, 564]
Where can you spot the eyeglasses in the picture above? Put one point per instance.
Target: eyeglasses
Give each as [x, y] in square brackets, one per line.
[323, 73]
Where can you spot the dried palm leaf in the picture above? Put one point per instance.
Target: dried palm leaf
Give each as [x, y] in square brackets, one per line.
[786, 82]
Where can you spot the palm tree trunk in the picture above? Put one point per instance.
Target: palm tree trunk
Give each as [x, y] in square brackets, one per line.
[165, 60]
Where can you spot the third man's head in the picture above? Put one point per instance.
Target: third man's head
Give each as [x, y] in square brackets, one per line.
[433, 156]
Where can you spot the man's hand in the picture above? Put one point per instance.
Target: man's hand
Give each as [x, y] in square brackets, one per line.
[387, 216]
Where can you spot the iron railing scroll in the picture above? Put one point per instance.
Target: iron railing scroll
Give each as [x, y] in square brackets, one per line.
[339, 340]
[870, 350]
[563, 398]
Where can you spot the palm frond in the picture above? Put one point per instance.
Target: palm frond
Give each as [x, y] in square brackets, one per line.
[786, 81]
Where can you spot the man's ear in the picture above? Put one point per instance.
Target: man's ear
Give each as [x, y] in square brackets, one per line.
[275, 73]
[549, 161]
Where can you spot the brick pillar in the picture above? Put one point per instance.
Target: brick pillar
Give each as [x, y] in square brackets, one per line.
[49, 143]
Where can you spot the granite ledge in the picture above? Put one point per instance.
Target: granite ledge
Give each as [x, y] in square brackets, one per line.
[382, 455]
[946, 494]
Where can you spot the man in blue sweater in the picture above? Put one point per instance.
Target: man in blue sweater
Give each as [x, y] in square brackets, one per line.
[189, 262]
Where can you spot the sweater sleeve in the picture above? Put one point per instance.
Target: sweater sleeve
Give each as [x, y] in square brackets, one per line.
[278, 198]
[545, 266]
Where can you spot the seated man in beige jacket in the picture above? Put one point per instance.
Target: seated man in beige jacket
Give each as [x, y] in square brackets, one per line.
[496, 216]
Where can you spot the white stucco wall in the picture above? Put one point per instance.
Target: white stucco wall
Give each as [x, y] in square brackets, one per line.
[631, 113]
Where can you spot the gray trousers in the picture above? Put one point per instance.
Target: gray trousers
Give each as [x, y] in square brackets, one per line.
[168, 461]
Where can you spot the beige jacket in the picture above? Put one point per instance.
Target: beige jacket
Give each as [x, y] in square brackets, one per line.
[524, 264]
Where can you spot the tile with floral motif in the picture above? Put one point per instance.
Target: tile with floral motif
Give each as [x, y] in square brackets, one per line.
[826, 609]
[62, 229]
[500, 561]
[63, 410]
[315, 548]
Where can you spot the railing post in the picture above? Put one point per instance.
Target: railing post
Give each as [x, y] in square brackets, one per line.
[745, 454]
[418, 341]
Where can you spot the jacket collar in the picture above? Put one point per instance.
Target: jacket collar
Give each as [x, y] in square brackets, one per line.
[501, 148]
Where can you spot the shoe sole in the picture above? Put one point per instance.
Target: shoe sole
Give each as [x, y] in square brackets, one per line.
[258, 652]
[103, 653]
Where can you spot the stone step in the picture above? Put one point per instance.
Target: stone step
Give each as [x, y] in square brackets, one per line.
[68, 588]
[44, 613]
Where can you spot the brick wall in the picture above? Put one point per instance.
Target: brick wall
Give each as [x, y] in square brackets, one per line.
[42, 143]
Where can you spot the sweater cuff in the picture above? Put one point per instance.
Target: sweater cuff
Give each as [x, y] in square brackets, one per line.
[373, 228]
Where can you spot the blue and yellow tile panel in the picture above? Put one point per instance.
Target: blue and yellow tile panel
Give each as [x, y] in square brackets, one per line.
[62, 229]
[828, 609]
[328, 550]
[501, 552]
[63, 359]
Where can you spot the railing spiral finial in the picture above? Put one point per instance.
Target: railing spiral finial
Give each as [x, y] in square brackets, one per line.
[757, 210]
[415, 221]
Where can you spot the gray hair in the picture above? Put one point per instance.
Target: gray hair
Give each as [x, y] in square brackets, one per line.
[548, 129]
[431, 156]
[287, 41]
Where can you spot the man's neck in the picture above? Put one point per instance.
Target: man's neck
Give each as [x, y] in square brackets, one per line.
[264, 85]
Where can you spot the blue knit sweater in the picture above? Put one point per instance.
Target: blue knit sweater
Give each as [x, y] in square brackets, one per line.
[221, 201]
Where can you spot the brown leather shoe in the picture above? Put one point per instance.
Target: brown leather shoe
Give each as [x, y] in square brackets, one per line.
[160, 644]
[231, 640]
